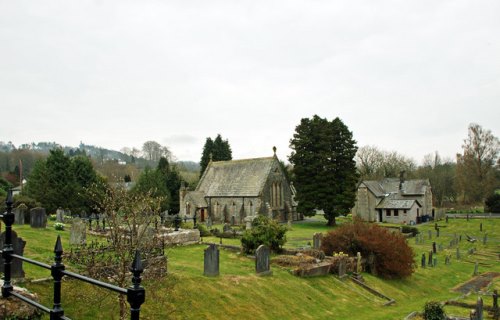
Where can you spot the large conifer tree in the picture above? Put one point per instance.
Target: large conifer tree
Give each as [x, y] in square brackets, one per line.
[218, 149]
[324, 167]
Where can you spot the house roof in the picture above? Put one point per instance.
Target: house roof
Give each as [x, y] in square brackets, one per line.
[236, 178]
[386, 186]
[395, 203]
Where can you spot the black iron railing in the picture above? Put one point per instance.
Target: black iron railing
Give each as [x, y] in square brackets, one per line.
[135, 293]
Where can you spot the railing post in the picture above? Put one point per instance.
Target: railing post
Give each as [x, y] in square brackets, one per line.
[136, 295]
[56, 270]
[8, 250]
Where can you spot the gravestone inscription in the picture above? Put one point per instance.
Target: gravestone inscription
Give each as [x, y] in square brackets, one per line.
[263, 261]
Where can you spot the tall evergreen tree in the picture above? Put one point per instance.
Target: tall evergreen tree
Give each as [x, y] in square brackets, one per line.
[324, 167]
[218, 150]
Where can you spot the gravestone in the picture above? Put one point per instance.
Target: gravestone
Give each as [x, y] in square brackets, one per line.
[233, 220]
[342, 268]
[248, 222]
[423, 260]
[60, 215]
[434, 247]
[446, 219]
[496, 311]
[78, 232]
[38, 218]
[317, 240]
[209, 222]
[289, 224]
[20, 213]
[479, 309]
[359, 267]
[476, 267]
[18, 245]
[263, 261]
[437, 233]
[481, 227]
[226, 227]
[211, 261]
[430, 259]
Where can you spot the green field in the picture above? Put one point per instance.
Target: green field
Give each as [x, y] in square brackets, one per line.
[239, 294]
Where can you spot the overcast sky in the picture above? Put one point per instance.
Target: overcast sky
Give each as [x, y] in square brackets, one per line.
[407, 76]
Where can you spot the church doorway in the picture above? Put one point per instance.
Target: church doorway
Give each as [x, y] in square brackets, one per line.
[202, 215]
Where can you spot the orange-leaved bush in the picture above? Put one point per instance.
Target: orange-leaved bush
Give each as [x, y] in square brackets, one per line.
[387, 252]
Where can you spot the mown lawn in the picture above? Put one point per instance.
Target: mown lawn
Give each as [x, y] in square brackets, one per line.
[239, 294]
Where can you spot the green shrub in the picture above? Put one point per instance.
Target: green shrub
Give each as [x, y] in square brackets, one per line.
[203, 230]
[492, 203]
[29, 202]
[264, 231]
[434, 311]
[409, 229]
[52, 217]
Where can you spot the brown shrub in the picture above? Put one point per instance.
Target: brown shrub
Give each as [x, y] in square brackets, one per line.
[393, 257]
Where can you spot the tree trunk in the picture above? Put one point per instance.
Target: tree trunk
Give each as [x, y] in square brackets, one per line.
[331, 220]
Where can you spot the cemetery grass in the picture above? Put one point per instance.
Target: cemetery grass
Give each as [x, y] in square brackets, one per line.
[238, 293]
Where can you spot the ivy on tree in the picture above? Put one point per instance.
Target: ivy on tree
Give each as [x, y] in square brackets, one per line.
[324, 169]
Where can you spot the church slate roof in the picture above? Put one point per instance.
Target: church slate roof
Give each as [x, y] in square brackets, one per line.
[236, 178]
[198, 198]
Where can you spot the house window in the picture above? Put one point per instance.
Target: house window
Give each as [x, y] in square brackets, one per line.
[396, 213]
[388, 212]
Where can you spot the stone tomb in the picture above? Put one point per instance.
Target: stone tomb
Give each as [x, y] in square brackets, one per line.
[211, 261]
[20, 214]
[263, 261]
[78, 232]
[38, 218]
[18, 245]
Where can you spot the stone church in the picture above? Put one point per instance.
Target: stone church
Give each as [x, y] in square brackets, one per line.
[229, 191]
[394, 200]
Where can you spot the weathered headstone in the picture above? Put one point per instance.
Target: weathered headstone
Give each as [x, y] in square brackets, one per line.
[446, 219]
[226, 227]
[423, 260]
[359, 267]
[20, 213]
[479, 309]
[342, 268]
[481, 227]
[263, 261]
[437, 232]
[211, 261]
[317, 240]
[476, 269]
[496, 311]
[18, 245]
[38, 218]
[430, 259]
[78, 232]
[248, 222]
[233, 220]
[434, 247]
[209, 222]
[434, 262]
[60, 215]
